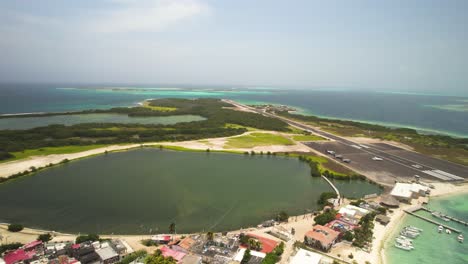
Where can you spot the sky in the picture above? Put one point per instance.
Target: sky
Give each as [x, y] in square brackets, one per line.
[389, 45]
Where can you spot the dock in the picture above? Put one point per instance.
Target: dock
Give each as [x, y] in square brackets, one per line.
[456, 220]
[411, 211]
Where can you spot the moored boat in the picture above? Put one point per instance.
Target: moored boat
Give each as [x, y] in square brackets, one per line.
[404, 246]
[460, 238]
[440, 229]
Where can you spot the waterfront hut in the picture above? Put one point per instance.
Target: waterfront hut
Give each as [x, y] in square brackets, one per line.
[382, 219]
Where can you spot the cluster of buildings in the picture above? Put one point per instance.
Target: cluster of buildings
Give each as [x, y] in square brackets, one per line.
[38, 252]
[323, 237]
[221, 249]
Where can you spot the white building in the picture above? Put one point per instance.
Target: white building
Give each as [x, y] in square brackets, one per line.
[405, 192]
[306, 257]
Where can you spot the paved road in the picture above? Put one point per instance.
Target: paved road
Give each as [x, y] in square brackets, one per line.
[420, 166]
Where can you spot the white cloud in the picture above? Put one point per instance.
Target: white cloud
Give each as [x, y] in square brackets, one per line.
[146, 16]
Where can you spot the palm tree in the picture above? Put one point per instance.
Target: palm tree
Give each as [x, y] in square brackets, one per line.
[172, 228]
[210, 236]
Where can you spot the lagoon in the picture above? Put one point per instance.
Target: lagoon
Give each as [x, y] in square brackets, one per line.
[139, 191]
[32, 122]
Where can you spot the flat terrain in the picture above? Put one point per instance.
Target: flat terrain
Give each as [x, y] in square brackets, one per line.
[397, 163]
[307, 138]
[257, 139]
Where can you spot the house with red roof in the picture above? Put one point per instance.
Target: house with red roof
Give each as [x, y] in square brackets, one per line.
[177, 255]
[267, 244]
[321, 237]
[18, 256]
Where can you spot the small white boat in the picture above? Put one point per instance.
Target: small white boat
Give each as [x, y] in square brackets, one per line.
[404, 241]
[414, 228]
[448, 231]
[440, 229]
[460, 238]
[406, 238]
[440, 216]
[404, 246]
[409, 234]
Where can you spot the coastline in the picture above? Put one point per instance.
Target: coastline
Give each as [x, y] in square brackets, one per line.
[399, 216]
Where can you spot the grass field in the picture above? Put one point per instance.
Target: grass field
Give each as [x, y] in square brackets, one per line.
[159, 108]
[257, 139]
[307, 138]
[51, 150]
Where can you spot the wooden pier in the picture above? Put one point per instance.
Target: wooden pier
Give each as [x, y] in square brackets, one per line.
[412, 211]
[446, 216]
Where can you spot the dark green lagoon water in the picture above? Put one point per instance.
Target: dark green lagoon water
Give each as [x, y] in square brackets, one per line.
[135, 191]
[31, 122]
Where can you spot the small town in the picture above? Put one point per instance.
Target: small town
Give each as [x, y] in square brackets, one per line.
[342, 228]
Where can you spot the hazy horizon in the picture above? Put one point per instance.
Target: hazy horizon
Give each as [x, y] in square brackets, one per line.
[417, 46]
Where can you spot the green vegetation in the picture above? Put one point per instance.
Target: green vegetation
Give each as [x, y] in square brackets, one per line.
[44, 237]
[84, 238]
[158, 258]
[159, 108]
[257, 139]
[22, 143]
[323, 199]
[307, 138]
[325, 217]
[51, 150]
[363, 234]
[282, 217]
[275, 255]
[11, 246]
[439, 146]
[133, 256]
[321, 166]
[254, 244]
[149, 243]
[247, 256]
[15, 227]
[348, 236]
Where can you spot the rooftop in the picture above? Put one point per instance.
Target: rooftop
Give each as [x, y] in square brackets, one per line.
[305, 256]
[177, 255]
[18, 256]
[267, 244]
[406, 190]
[106, 253]
[323, 234]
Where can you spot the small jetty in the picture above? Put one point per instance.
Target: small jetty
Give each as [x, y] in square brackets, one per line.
[338, 196]
[412, 211]
[446, 216]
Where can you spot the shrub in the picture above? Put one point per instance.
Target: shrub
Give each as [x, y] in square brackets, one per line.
[282, 217]
[84, 238]
[11, 246]
[15, 227]
[44, 237]
[351, 256]
[325, 218]
[149, 242]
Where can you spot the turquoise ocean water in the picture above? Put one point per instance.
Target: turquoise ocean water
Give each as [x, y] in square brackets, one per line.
[429, 113]
[433, 247]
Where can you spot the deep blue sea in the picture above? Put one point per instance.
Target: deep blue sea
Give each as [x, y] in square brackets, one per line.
[426, 112]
